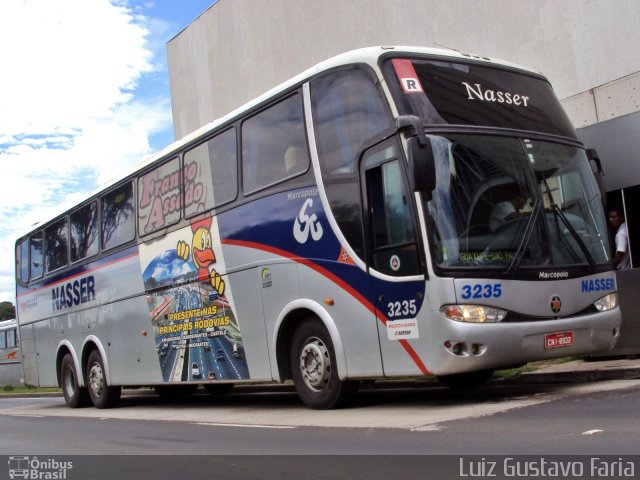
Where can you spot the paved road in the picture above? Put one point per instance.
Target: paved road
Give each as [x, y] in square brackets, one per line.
[594, 418]
[428, 433]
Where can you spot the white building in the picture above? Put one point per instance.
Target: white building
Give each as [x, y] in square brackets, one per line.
[238, 49]
[589, 50]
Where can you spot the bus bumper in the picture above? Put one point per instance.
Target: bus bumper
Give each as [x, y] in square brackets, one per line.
[458, 347]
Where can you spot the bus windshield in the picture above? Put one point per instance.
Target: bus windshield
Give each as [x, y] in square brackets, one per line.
[513, 203]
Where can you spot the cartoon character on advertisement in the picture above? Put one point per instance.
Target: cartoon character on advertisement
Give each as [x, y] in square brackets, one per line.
[198, 338]
[202, 254]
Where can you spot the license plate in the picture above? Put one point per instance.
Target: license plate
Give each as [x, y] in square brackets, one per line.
[558, 339]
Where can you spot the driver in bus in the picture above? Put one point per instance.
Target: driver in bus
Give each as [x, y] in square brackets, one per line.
[508, 210]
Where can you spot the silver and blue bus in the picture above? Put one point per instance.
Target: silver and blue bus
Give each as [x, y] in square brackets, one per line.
[339, 228]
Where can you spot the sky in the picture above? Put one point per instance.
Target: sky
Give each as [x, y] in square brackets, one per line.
[84, 96]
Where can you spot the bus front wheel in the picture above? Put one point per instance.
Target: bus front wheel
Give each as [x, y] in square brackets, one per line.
[75, 395]
[313, 367]
[102, 395]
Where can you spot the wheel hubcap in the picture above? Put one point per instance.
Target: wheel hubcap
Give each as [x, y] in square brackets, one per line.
[96, 379]
[315, 364]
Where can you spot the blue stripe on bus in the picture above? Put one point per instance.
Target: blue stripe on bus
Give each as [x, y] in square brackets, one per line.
[271, 225]
[367, 303]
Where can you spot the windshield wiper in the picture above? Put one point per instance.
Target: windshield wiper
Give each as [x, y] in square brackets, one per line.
[560, 214]
[526, 237]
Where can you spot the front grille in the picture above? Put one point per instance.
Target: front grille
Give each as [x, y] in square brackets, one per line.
[522, 317]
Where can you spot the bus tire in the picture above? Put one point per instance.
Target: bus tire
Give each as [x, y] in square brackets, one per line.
[467, 380]
[313, 368]
[102, 395]
[75, 395]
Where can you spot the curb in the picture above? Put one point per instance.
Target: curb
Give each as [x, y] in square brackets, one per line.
[541, 376]
[579, 373]
[30, 395]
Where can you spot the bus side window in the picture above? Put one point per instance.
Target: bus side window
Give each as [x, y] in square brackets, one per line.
[210, 174]
[348, 108]
[159, 197]
[84, 232]
[36, 255]
[3, 340]
[22, 261]
[394, 249]
[56, 242]
[265, 139]
[11, 338]
[118, 220]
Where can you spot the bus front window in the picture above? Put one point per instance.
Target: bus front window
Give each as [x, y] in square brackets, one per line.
[506, 203]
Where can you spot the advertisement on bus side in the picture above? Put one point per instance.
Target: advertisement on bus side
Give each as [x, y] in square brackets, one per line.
[196, 331]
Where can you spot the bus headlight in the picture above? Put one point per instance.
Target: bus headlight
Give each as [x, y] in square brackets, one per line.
[606, 303]
[473, 313]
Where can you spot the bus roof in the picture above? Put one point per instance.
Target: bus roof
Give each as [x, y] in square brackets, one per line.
[368, 55]
[4, 324]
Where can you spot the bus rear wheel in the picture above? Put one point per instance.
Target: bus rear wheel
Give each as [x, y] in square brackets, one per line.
[102, 395]
[313, 368]
[75, 395]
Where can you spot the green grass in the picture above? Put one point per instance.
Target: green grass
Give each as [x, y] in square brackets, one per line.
[513, 373]
[28, 389]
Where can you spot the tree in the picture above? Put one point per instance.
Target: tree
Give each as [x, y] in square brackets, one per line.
[7, 311]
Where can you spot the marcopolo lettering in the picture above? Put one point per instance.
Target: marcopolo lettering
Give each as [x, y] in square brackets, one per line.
[552, 275]
[598, 285]
[477, 92]
[68, 294]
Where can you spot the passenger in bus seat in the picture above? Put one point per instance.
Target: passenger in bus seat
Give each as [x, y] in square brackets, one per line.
[621, 260]
[509, 209]
[294, 159]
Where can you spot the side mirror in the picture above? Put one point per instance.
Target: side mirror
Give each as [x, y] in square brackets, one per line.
[593, 156]
[598, 173]
[421, 162]
[422, 166]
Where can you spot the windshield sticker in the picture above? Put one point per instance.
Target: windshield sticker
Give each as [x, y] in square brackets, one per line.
[407, 76]
[477, 92]
[394, 263]
[485, 257]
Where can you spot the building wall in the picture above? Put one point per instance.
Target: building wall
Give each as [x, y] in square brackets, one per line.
[238, 49]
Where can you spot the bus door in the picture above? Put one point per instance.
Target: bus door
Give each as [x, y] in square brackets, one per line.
[392, 255]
